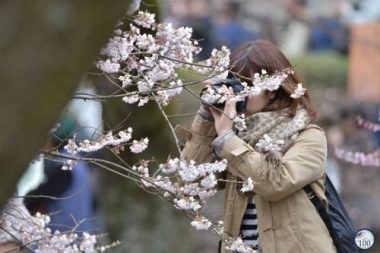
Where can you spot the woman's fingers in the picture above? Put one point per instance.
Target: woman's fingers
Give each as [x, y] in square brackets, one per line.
[230, 107]
[215, 113]
[224, 119]
[207, 82]
[229, 110]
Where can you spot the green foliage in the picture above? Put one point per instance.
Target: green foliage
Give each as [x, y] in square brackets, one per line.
[189, 75]
[322, 70]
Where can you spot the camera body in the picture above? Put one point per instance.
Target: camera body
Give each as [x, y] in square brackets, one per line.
[237, 87]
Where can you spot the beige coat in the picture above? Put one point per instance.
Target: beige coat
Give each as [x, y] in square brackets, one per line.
[287, 220]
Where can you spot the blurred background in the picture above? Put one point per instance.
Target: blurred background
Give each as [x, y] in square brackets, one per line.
[335, 47]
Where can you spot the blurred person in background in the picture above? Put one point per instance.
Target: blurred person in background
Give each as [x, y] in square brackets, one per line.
[277, 215]
[200, 20]
[227, 29]
[329, 34]
[73, 191]
[294, 39]
[178, 12]
[70, 193]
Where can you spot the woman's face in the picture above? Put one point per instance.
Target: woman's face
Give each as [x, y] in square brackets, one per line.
[257, 103]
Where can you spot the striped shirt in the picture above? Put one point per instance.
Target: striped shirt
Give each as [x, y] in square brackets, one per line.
[248, 227]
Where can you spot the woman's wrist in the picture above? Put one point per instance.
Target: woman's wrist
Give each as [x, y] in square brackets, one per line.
[218, 142]
[224, 131]
[205, 114]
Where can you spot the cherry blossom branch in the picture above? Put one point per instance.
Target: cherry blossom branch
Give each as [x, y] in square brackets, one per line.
[373, 127]
[182, 197]
[88, 96]
[98, 162]
[181, 115]
[177, 143]
[20, 246]
[371, 159]
[114, 171]
[48, 197]
[33, 231]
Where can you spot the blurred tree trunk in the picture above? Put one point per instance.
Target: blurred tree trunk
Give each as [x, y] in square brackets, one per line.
[45, 46]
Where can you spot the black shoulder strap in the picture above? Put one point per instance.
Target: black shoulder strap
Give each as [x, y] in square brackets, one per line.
[322, 212]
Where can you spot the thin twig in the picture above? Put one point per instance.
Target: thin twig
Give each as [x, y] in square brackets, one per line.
[102, 97]
[181, 114]
[114, 171]
[17, 240]
[50, 197]
[185, 63]
[170, 125]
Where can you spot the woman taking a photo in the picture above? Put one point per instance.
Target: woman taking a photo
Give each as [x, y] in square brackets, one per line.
[277, 216]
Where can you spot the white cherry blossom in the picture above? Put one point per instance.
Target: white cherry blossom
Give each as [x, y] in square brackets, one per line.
[239, 246]
[187, 204]
[139, 146]
[209, 181]
[298, 92]
[247, 185]
[201, 223]
[108, 67]
[145, 19]
[268, 144]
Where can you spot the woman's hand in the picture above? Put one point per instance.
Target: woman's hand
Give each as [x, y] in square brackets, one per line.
[224, 120]
[206, 84]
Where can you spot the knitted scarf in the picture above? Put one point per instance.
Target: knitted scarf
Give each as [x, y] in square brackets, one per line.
[272, 133]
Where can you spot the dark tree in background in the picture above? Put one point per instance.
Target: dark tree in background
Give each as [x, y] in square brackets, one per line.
[46, 46]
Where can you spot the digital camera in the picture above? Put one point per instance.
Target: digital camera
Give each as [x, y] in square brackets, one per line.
[237, 87]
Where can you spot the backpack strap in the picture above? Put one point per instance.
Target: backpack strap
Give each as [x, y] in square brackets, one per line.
[323, 213]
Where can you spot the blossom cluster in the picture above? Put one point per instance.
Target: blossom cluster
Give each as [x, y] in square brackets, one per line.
[239, 246]
[195, 183]
[139, 146]
[88, 146]
[298, 92]
[247, 185]
[360, 158]
[260, 82]
[267, 144]
[273, 82]
[219, 62]
[239, 122]
[188, 185]
[147, 63]
[34, 232]
[371, 159]
[374, 127]
[201, 223]
[69, 164]
[116, 141]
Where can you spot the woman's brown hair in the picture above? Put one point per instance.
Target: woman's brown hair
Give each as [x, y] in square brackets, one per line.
[253, 57]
